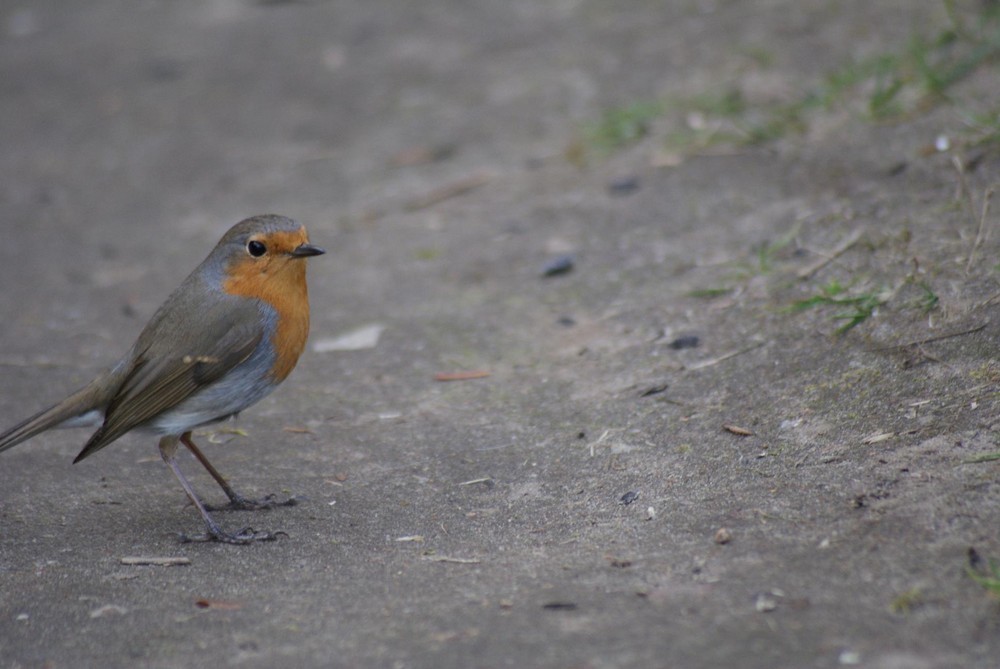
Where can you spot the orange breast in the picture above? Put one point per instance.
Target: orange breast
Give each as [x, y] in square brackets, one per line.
[281, 284]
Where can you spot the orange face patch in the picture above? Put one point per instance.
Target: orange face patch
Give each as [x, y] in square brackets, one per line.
[279, 279]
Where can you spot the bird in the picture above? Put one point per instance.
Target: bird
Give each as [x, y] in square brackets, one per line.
[223, 340]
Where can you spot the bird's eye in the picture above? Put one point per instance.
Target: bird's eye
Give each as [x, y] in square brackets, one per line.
[256, 248]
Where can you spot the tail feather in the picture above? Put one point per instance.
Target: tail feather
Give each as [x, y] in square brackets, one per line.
[79, 409]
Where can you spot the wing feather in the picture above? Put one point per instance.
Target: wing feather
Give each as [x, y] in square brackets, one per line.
[163, 374]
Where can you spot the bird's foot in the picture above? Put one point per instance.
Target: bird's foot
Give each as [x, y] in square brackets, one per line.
[247, 535]
[240, 503]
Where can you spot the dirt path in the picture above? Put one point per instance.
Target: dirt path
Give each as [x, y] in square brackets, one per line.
[670, 457]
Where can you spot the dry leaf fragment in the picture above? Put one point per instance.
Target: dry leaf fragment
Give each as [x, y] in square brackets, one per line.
[462, 376]
[217, 604]
[359, 339]
[618, 563]
[108, 610]
[419, 155]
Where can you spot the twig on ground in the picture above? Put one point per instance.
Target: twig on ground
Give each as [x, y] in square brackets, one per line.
[454, 560]
[963, 191]
[722, 358]
[485, 479]
[928, 340]
[156, 561]
[831, 255]
[981, 233]
[462, 376]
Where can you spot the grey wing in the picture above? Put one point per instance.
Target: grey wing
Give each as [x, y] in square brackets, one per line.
[165, 373]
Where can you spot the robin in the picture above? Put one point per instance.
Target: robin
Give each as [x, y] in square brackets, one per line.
[222, 341]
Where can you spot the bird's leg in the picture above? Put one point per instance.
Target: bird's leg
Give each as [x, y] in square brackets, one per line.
[168, 451]
[236, 500]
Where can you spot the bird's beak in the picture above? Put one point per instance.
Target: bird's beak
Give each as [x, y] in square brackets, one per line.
[306, 250]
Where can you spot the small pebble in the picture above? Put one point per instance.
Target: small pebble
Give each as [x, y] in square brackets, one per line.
[650, 513]
[975, 559]
[849, 657]
[558, 265]
[765, 602]
[723, 536]
[629, 497]
[624, 185]
[897, 169]
[559, 606]
[654, 390]
[687, 341]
